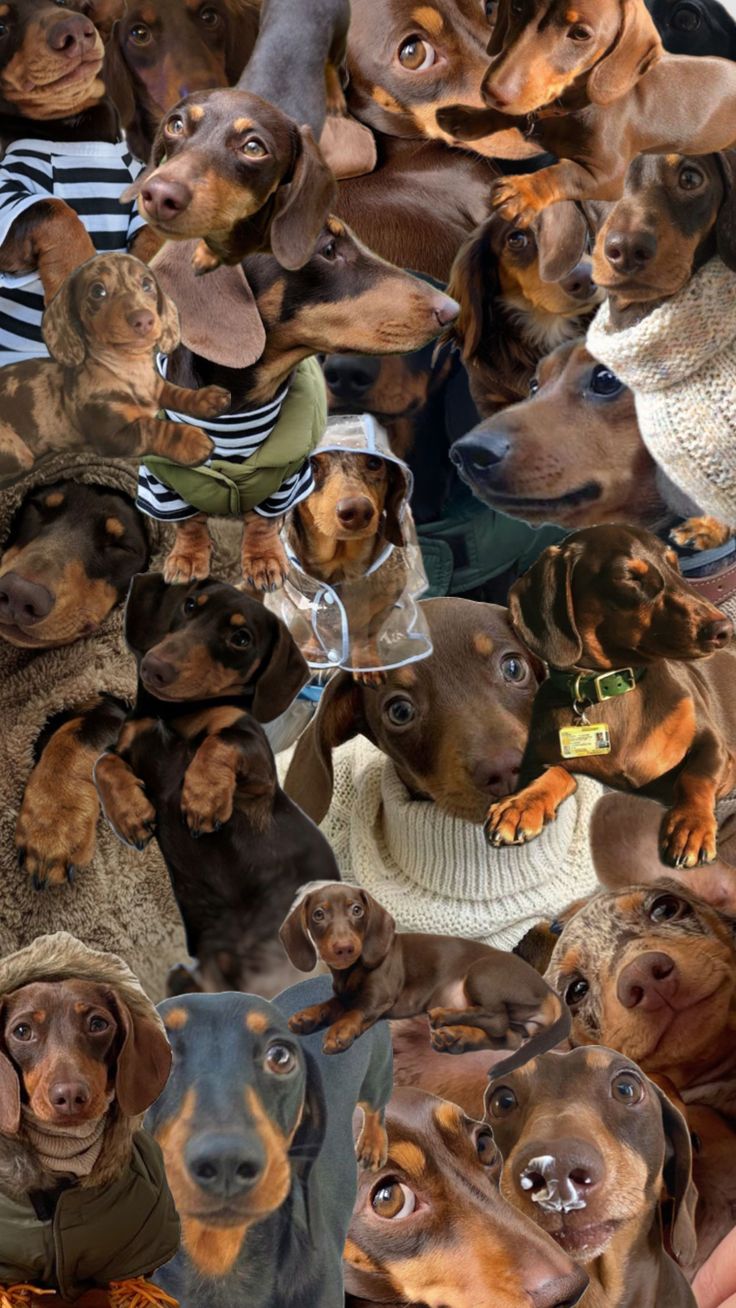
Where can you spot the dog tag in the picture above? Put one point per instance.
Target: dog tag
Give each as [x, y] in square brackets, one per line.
[584, 742]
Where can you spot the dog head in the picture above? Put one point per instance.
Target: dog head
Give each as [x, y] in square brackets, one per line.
[339, 923]
[51, 61]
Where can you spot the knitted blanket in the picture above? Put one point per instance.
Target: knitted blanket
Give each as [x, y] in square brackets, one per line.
[680, 362]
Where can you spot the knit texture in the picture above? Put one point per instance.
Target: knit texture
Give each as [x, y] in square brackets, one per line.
[680, 362]
[68, 1150]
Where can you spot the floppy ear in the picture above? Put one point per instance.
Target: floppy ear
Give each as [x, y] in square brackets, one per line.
[339, 718]
[678, 1179]
[144, 1061]
[379, 932]
[396, 497]
[635, 49]
[562, 239]
[474, 284]
[148, 610]
[500, 31]
[218, 315]
[9, 1095]
[241, 18]
[169, 315]
[541, 607]
[118, 81]
[726, 223]
[105, 14]
[348, 147]
[309, 1139]
[302, 206]
[285, 673]
[295, 937]
[62, 328]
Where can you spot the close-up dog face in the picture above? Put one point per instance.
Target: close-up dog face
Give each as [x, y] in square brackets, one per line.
[572, 453]
[70, 557]
[695, 27]
[50, 61]
[650, 971]
[241, 1117]
[584, 1137]
[389, 388]
[675, 212]
[431, 1227]
[339, 924]
[611, 596]
[352, 494]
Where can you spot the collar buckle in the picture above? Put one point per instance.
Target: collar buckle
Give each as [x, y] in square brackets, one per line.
[609, 684]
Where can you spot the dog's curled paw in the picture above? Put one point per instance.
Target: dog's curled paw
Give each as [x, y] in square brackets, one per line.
[207, 800]
[703, 533]
[516, 200]
[516, 820]
[371, 1149]
[214, 401]
[689, 839]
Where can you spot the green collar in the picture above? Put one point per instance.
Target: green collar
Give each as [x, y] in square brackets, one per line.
[595, 687]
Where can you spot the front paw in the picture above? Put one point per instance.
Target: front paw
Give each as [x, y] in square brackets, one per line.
[204, 259]
[377, 677]
[689, 838]
[519, 818]
[194, 447]
[458, 1039]
[371, 1149]
[310, 1019]
[267, 571]
[516, 200]
[185, 565]
[131, 814]
[53, 840]
[341, 1036]
[206, 801]
[213, 400]
[703, 533]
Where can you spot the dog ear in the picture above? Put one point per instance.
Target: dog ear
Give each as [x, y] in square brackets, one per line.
[148, 610]
[296, 939]
[635, 49]
[541, 607]
[119, 85]
[241, 19]
[62, 328]
[105, 14]
[726, 222]
[284, 674]
[379, 932]
[396, 498]
[309, 1139]
[9, 1095]
[338, 719]
[474, 285]
[169, 316]
[302, 206]
[562, 239]
[144, 1060]
[678, 1180]
[348, 147]
[499, 35]
[218, 314]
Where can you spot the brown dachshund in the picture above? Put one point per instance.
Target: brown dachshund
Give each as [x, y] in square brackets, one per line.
[432, 1227]
[513, 308]
[593, 86]
[100, 389]
[610, 614]
[476, 997]
[591, 1148]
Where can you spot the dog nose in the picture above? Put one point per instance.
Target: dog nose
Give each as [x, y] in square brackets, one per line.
[478, 453]
[141, 322]
[355, 512]
[164, 198]
[225, 1165]
[629, 252]
[71, 34]
[344, 949]
[562, 1292]
[68, 1097]
[445, 309]
[648, 983]
[23, 602]
[349, 377]
[579, 283]
[157, 672]
[498, 775]
[716, 635]
[560, 1176]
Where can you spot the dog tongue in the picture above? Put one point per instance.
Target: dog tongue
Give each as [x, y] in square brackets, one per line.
[218, 315]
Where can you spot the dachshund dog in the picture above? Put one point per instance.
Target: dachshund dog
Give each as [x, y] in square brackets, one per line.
[431, 1226]
[695, 27]
[475, 997]
[234, 167]
[589, 1145]
[594, 88]
[100, 389]
[610, 614]
[162, 51]
[257, 1141]
[513, 307]
[192, 761]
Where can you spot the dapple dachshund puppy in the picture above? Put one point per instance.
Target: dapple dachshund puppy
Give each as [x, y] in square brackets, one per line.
[257, 1139]
[162, 51]
[100, 390]
[610, 614]
[695, 27]
[432, 1226]
[594, 87]
[235, 167]
[591, 1148]
[475, 997]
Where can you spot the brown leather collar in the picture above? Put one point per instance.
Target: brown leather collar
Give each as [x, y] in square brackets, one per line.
[717, 588]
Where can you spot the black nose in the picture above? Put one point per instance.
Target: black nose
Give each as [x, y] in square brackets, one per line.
[579, 283]
[157, 673]
[716, 635]
[349, 377]
[479, 453]
[23, 602]
[164, 199]
[629, 252]
[71, 35]
[225, 1165]
[69, 1097]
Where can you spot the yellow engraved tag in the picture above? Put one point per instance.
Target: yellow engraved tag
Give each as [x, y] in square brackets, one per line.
[584, 742]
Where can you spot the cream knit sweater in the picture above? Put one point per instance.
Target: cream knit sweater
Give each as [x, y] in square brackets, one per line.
[680, 362]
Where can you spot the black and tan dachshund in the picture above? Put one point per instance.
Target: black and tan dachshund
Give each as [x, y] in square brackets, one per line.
[695, 27]
[192, 761]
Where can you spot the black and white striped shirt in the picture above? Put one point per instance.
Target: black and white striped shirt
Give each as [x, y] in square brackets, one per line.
[89, 176]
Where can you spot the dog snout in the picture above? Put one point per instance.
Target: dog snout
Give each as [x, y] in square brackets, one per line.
[579, 284]
[344, 951]
[716, 635]
[67, 1098]
[71, 35]
[445, 309]
[157, 673]
[354, 512]
[629, 252]
[498, 775]
[141, 321]
[561, 1292]
[225, 1165]
[164, 199]
[560, 1177]
[648, 983]
[479, 453]
[350, 377]
[23, 602]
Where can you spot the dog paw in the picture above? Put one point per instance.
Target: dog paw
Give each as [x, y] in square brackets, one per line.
[688, 838]
[701, 533]
[214, 400]
[377, 677]
[206, 801]
[340, 1036]
[371, 1149]
[516, 820]
[132, 816]
[265, 572]
[54, 840]
[458, 1039]
[194, 448]
[204, 259]
[516, 200]
[311, 1019]
[183, 566]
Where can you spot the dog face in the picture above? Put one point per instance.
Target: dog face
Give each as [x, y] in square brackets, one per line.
[208, 640]
[675, 211]
[612, 596]
[242, 1116]
[543, 48]
[584, 1137]
[695, 27]
[70, 1047]
[392, 387]
[650, 972]
[356, 497]
[338, 923]
[432, 1227]
[70, 557]
[50, 62]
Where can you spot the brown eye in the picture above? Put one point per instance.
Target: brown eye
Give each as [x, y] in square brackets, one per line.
[517, 240]
[627, 1089]
[357, 910]
[97, 291]
[576, 991]
[486, 1148]
[148, 285]
[579, 33]
[392, 1199]
[503, 1102]
[690, 179]
[416, 54]
[329, 251]
[22, 1031]
[175, 126]
[190, 605]
[254, 149]
[667, 908]
[241, 639]
[513, 668]
[373, 463]
[140, 34]
[400, 712]
[318, 915]
[209, 16]
[280, 1059]
[534, 386]
[98, 1024]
